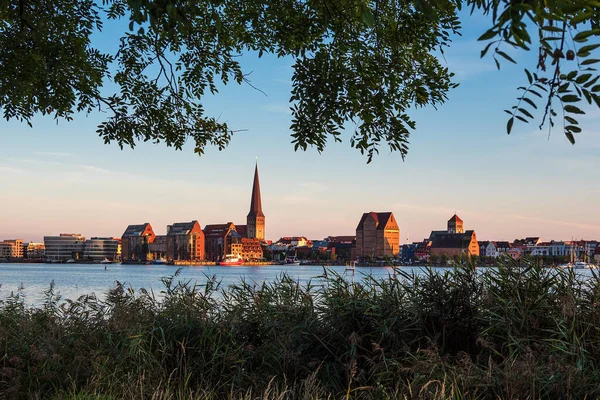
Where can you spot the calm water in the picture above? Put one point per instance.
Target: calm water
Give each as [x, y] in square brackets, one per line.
[73, 280]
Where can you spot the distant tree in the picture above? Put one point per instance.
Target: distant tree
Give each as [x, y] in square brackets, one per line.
[367, 62]
[433, 259]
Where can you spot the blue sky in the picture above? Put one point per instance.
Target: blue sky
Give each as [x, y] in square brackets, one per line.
[61, 177]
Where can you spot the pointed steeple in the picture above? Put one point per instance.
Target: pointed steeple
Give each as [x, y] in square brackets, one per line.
[255, 203]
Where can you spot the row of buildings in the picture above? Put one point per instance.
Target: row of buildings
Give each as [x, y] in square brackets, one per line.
[66, 246]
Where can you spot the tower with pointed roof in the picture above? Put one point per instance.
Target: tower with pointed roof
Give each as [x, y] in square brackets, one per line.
[256, 218]
[455, 225]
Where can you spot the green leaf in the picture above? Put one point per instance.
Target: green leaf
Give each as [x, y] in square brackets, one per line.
[530, 102]
[529, 77]
[573, 128]
[583, 78]
[503, 54]
[570, 98]
[488, 35]
[485, 49]
[509, 125]
[582, 36]
[573, 110]
[571, 120]
[570, 136]
[590, 61]
[526, 113]
[588, 48]
[367, 17]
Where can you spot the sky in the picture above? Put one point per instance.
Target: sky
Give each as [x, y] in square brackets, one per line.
[61, 177]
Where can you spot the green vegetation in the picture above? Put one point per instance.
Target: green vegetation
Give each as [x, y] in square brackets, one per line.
[362, 62]
[505, 333]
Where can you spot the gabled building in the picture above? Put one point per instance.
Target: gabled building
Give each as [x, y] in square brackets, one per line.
[502, 247]
[220, 240]
[455, 244]
[135, 243]
[185, 242]
[483, 248]
[341, 247]
[377, 235]
[455, 241]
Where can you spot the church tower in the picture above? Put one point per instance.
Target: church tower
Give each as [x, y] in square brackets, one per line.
[256, 219]
[455, 225]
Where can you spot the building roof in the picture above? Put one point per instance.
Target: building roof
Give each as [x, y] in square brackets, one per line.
[342, 239]
[381, 219]
[218, 229]
[435, 233]
[255, 201]
[452, 240]
[242, 230]
[136, 230]
[502, 244]
[455, 218]
[182, 228]
[483, 243]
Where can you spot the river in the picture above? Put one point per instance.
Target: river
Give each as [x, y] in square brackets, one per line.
[73, 280]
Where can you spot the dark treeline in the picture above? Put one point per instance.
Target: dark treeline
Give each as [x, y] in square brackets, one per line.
[508, 332]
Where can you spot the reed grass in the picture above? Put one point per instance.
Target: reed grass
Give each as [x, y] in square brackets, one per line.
[512, 331]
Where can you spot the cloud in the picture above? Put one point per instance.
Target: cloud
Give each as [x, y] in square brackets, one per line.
[314, 186]
[278, 108]
[554, 222]
[11, 170]
[52, 154]
[92, 168]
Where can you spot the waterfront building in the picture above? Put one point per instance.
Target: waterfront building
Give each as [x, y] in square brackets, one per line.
[377, 235]
[135, 243]
[483, 244]
[12, 248]
[255, 221]
[251, 249]
[491, 250]
[454, 242]
[597, 255]
[34, 251]
[158, 248]
[66, 246]
[185, 242]
[502, 248]
[514, 252]
[100, 248]
[294, 241]
[220, 240]
[340, 247]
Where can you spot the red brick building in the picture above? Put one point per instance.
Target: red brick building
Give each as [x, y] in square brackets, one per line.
[251, 249]
[377, 235]
[185, 242]
[220, 240]
[135, 242]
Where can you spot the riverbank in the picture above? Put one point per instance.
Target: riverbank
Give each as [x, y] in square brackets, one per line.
[502, 333]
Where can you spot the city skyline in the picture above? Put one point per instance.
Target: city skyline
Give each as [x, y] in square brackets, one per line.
[62, 178]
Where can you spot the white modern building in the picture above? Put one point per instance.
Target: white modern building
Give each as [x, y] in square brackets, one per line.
[64, 247]
[98, 249]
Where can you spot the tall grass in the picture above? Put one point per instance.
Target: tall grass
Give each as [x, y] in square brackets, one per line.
[514, 331]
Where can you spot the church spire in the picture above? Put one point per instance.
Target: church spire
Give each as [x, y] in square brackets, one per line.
[255, 203]
[256, 217]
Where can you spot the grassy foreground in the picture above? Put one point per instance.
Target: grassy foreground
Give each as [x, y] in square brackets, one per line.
[506, 333]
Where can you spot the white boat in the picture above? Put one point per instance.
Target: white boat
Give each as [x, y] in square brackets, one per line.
[70, 261]
[159, 261]
[292, 261]
[106, 261]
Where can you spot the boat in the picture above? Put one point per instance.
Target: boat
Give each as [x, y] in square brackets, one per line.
[106, 261]
[230, 259]
[159, 261]
[70, 261]
[292, 261]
